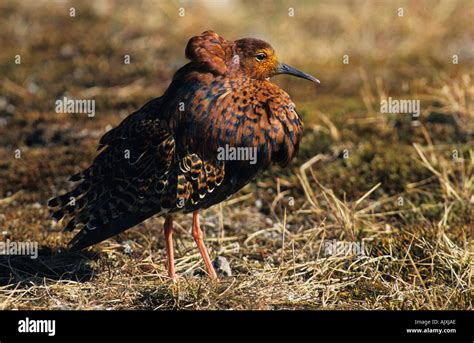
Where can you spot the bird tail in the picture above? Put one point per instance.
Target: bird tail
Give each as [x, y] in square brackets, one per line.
[96, 224]
[86, 238]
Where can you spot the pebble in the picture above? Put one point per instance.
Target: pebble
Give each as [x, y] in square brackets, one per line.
[127, 245]
[222, 266]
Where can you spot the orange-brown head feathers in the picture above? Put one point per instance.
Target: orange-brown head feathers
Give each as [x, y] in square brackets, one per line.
[249, 57]
[257, 58]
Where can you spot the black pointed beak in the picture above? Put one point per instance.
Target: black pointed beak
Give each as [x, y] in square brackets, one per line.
[286, 69]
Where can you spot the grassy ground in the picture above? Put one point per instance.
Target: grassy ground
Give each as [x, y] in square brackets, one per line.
[402, 186]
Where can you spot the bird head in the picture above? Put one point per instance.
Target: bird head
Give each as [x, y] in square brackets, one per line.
[258, 60]
[252, 57]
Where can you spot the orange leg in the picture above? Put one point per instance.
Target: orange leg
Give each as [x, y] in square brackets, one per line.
[197, 234]
[169, 245]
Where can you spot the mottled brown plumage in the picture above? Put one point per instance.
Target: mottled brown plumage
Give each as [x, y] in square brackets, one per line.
[164, 158]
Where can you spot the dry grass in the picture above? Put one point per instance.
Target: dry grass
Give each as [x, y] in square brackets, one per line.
[405, 189]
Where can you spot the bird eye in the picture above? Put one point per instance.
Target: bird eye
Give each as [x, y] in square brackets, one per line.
[260, 57]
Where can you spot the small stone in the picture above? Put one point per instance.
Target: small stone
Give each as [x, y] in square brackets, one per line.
[3, 122]
[32, 88]
[3, 103]
[67, 50]
[10, 109]
[222, 266]
[127, 247]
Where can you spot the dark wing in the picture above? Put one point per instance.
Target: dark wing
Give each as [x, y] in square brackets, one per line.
[126, 182]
